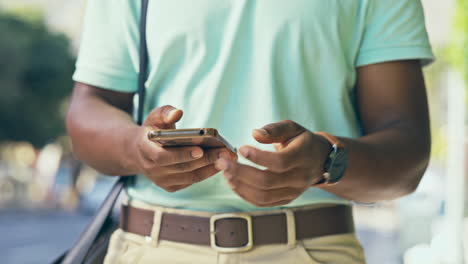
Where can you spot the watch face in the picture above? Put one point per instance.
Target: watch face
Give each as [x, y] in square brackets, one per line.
[338, 164]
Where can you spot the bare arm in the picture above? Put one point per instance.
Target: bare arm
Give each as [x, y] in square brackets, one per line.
[386, 163]
[99, 124]
[389, 161]
[105, 137]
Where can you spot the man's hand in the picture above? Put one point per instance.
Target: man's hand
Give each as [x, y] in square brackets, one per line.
[292, 169]
[172, 168]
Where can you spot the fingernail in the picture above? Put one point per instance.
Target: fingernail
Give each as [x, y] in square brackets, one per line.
[263, 131]
[198, 153]
[244, 152]
[222, 164]
[171, 113]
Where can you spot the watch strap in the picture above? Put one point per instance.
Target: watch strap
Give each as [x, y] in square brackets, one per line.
[334, 141]
[335, 144]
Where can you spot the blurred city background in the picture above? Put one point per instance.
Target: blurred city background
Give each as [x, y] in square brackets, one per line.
[47, 197]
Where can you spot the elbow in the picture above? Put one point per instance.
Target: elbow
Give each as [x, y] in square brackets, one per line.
[418, 170]
[70, 123]
[80, 146]
[407, 180]
[74, 123]
[396, 181]
[73, 126]
[403, 186]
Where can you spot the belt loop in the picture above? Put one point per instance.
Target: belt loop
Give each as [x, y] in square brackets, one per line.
[154, 237]
[291, 227]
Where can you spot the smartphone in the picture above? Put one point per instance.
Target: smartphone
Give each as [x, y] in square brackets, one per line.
[203, 137]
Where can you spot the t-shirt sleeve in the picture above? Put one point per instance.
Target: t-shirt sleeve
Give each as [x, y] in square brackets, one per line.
[394, 30]
[104, 58]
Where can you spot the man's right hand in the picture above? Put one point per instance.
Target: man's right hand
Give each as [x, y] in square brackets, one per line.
[172, 168]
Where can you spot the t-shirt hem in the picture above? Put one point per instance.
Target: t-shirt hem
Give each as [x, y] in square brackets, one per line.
[226, 205]
[105, 80]
[372, 56]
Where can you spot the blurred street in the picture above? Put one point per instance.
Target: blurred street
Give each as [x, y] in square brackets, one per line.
[35, 237]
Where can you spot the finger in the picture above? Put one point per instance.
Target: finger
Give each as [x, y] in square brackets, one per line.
[170, 156]
[188, 177]
[163, 117]
[228, 155]
[216, 153]
[277, 132]
[283, 202]
[262, 179]
[264, 198]
[210, 156]
[279, 161]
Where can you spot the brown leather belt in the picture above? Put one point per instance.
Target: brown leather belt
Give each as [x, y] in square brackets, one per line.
[239, 231]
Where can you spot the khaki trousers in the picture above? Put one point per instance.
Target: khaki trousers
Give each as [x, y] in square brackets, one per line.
[129, 248]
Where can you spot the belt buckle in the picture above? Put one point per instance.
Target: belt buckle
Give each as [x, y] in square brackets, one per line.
[217, 217]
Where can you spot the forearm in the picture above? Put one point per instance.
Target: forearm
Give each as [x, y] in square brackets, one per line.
[101, 134]
[384, 165]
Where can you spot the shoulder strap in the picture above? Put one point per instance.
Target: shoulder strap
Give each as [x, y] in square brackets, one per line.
[143, 72]
[77, 254]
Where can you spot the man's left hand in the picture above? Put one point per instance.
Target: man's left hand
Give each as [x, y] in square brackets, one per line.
[296, 164]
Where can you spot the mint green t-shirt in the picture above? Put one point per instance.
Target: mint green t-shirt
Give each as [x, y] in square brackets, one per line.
[237, 65]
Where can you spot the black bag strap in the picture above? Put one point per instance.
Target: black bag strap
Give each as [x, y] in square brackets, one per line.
[143, 73]
[77, 254]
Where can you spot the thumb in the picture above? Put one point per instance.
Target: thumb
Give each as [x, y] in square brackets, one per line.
[279, 132]
[163, 117]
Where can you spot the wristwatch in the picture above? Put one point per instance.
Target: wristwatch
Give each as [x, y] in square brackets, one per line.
[336, 162]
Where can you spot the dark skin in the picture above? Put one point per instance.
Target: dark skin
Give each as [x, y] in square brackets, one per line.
[386, 163]
[105, 137]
